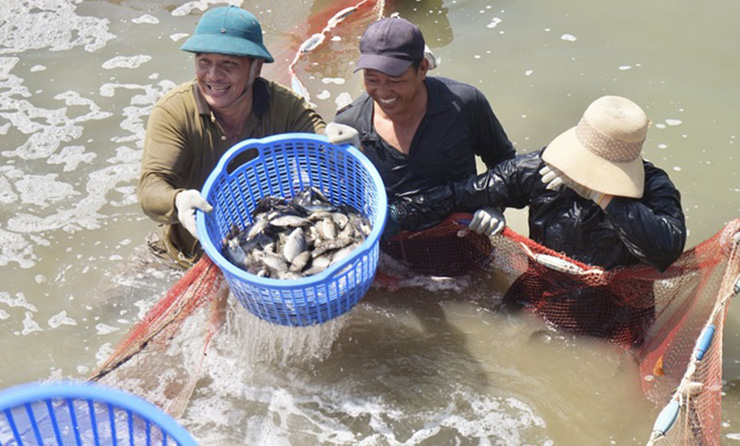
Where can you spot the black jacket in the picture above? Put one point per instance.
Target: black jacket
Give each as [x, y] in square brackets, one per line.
[651, 229]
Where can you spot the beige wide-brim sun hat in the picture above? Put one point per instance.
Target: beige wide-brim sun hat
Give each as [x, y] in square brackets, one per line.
[603, 151]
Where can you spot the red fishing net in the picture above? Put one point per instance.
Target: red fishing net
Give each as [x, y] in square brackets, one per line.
[657, 316]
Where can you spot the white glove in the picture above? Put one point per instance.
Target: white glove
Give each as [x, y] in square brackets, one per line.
[341, 134]
[488, 221]
[187, 202]
[555, 178]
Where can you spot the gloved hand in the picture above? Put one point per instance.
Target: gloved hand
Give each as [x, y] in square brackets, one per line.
[341, 134]
[555, 178]
[187, 202]
[488, 221]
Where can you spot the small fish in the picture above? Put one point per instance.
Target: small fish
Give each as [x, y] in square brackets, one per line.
[234, 253]
[289, 221]
[311, 43]
[300, 261]
[296, 237]
[327, 229]
[295, 244]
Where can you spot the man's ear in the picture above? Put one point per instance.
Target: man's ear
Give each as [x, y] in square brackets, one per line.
[423, 68]
[259, 66]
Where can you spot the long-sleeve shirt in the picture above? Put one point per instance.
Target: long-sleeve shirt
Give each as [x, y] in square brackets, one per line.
[184, 143]
[651, 229]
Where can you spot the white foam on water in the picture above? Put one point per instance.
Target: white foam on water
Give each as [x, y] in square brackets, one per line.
[126, 62]
[568, 37]
[673, 122]
[30, 325]
[178, 36]
[201, 5]
[145, 19]
[494, 22]
[19, 301]
[71, 156]
[61, 319]
[334, 80]
[15, 249]
[51, 24]
[43, 190]
[104, 329]
[7, 195]
[3, 315]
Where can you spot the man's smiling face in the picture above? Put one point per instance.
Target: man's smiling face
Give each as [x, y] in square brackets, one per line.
[222, 79]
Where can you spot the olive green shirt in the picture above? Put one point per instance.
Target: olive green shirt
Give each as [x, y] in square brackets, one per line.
[184, 142]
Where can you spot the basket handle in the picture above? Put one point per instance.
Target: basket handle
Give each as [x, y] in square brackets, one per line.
[254, 148]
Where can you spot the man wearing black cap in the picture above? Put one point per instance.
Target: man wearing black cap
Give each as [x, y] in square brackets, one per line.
[419, 131]
[194, 124]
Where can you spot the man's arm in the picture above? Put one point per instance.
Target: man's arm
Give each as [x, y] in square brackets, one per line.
[490, 140]
[164, 152]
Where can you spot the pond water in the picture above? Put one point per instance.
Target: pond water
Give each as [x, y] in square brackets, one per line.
[416, 367]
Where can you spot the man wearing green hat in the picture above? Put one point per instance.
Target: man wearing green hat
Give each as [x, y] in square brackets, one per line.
[193, 125]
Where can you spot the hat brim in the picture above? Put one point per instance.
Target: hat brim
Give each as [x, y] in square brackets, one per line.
[222, 44]
[392, 66]
[581, 165]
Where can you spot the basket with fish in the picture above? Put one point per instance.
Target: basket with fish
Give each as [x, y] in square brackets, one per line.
[295, 228]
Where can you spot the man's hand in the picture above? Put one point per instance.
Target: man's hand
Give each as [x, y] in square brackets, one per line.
[187, 202]
[555, 178]
[340, 134]
[488, 221]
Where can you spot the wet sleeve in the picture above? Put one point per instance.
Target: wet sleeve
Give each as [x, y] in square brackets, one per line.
[490, 140]
[653, 228]
[511, 183]
[165, 147]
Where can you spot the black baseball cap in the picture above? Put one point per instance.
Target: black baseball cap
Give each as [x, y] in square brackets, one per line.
[390, 46]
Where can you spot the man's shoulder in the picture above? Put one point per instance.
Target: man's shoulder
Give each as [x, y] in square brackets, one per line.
[279, 92]
[354, 109]
[455, 87]
[176, 97]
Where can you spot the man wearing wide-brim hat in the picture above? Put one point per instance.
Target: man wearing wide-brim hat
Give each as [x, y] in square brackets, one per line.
[590, 195]
[194, 124]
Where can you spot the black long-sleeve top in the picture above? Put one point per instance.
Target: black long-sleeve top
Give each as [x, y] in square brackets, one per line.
[651, 229]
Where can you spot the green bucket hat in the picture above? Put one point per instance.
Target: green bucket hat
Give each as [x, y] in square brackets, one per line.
[228, 30]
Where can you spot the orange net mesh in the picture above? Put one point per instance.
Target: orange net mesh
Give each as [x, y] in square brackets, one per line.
[159, 359]
[657, 316]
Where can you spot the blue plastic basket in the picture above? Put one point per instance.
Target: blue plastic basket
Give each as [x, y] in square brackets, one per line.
[69, 413]
[283, 165]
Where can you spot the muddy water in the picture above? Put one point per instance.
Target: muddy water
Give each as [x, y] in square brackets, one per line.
[439, 366]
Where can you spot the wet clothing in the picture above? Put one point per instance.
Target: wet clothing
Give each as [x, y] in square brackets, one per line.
[458, 125]
[651, 229]
[184, 142]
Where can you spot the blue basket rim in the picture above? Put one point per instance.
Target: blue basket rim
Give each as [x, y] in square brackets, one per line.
[365, 248]
[29, 393]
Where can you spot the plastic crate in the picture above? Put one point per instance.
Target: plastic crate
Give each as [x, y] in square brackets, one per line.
[283, 165]
[67, 413]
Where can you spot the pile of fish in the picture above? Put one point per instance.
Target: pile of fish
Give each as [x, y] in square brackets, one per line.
[291, 239]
